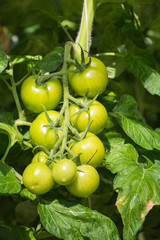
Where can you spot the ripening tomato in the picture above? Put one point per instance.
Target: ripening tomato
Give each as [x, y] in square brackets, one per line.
[93, 79]
[96, 115]
[34, 96]
[37, 178]
[64, 171]
[41, 157]
[91, 149]
[86, 181]
[41, 134]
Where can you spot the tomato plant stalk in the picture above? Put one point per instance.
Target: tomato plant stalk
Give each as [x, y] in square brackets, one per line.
[84, 35]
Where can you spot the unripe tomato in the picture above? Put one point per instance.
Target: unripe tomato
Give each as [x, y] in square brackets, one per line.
[92, 80]
[96, 115]
[41, 157]
[37, 178]
[34, 96]
[91, 148]
[85, 183]
[42, 135]
[64, 171]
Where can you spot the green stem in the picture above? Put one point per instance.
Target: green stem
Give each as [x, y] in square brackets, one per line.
[64, 69]
[16, 98]
[5, 154]
[84, 35]
[20, 122]
[109, 54]
[55, 74]
[7, 84]
[76, 101]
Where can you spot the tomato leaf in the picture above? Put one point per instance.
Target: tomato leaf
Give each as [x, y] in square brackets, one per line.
[8, 181]
[149, 76]
[15, 232]
[70, 220]
[27, 194]
[3, 60]
[134, 124]
[138, 187]
[51, 61]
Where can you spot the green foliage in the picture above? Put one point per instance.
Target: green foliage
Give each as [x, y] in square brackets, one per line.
[137, 187]
[134, 124]
[149, 77]
[3, 61]
[126, 38]
[68, 220]
[8, 181]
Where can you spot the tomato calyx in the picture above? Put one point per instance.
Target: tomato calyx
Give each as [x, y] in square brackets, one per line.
[81, 66]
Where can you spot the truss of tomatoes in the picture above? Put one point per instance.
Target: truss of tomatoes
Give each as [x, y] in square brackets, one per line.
[80, 180]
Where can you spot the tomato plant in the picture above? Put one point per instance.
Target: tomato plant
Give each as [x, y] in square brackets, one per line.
[79, 120]
[91, 150]
[40, 131]
[92, 80]
[85, 183]
[37, 178]
[64, 171]
[37, 97]
[96, 115]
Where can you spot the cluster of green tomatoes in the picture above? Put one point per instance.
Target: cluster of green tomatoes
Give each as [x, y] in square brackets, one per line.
[83, 152]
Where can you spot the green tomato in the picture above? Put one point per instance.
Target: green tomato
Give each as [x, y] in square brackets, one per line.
[93, 79]
[86, 181]
[41, 157]
[91, 149]
[43, 135]
[64, 171]
[96, 115]
[37, 178]
[34, 96]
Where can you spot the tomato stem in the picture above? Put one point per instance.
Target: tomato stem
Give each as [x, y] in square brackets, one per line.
[5, 154]
[48, 76]
[76, 101]
[109, 54]
[84, 35]
[64, 69]
[21, 113]
[20, 122]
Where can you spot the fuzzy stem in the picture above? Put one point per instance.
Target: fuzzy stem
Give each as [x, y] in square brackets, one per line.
[84, 35]
[5, 154]
[68, 47]
[21, 114]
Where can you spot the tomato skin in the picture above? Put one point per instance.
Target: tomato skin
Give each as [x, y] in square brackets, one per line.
[41, 135]
[34, 96]
[41, 157]
[85, 183]
[93, 79]
[37, 178]
[90, 147]
[64, 172]
[97, 116]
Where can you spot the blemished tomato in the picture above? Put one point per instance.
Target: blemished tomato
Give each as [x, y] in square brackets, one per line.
[96, 115]
[34, 96]
[91, 149]
[41, 157]
[93, 79]
[64, 171]
[86, 181]
[37, 178]
[41, 134]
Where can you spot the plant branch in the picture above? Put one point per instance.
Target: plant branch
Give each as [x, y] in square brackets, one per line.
[84, 35]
